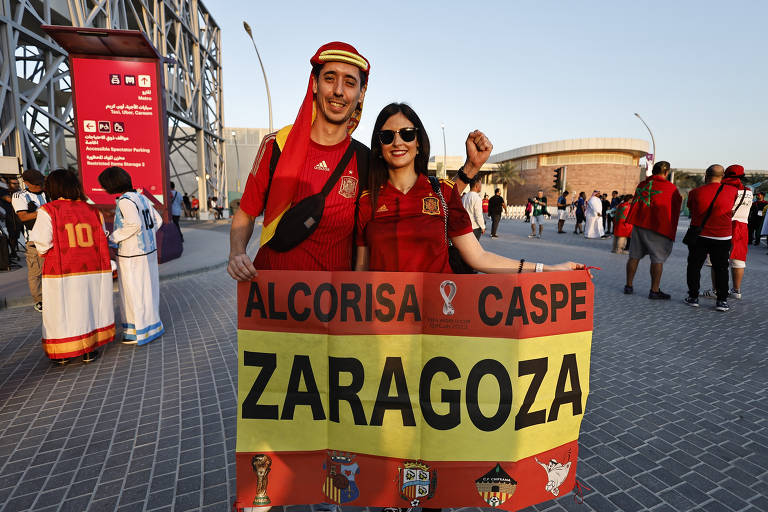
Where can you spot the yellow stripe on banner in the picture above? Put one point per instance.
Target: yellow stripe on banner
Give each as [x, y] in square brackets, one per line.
[533, 366]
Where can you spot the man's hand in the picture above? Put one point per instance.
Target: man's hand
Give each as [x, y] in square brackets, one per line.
[240, 267]
[478, 150]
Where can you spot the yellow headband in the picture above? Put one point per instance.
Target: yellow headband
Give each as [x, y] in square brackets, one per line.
[343, 56]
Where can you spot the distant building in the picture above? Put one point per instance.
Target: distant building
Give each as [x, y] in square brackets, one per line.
[604, 164]
[242, 145]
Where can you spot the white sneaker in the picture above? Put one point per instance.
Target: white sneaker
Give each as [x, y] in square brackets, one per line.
[734, 293]
[708, 294]
[531, 236]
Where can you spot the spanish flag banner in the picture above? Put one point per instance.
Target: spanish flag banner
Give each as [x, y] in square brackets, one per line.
[409, 389]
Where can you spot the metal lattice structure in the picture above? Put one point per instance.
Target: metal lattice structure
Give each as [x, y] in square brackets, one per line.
[37, 122]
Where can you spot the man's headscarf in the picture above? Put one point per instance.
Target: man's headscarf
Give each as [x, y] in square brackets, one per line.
[293, 140]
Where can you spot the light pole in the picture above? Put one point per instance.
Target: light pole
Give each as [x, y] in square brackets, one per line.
[237, 153]
[266, 84]
[653, 142]
[445, 153]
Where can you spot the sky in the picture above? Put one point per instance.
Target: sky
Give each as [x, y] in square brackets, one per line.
[524, 72]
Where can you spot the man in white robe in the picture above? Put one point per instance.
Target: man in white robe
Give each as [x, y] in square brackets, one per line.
[594, 227]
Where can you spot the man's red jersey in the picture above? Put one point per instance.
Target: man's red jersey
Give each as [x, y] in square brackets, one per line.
[718, 224]
[330, 246]
[407, 232]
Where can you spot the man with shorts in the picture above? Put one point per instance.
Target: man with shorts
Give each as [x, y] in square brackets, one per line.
[654, 214]
[537, 214]
[562, 212]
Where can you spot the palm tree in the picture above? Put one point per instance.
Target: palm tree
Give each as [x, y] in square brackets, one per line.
[688, 181]
[507, 174]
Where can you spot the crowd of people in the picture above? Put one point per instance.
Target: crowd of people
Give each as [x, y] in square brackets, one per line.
[71, 258]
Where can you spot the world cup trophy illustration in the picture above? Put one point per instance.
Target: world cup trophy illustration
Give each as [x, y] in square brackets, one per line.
[262, 465]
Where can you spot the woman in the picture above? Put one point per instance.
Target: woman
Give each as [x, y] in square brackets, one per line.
[402, 224]
[77, 276]
[136, 222]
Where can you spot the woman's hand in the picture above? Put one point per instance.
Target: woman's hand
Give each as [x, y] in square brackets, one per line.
[479, 148]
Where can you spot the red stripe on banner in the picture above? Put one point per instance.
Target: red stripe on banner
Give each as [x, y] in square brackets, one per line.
[494, 306]
[302, 478]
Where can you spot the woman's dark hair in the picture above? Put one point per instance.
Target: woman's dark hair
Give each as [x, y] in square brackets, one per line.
[115, 180]
[377, 167]
[64, 184]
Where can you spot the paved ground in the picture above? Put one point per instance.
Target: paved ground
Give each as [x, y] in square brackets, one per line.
[677, 418]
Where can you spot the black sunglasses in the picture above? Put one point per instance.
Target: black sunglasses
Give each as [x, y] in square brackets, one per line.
[387, 137]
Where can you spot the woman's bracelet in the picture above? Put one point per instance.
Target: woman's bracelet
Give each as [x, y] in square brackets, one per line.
[520, 268]
[539, 267]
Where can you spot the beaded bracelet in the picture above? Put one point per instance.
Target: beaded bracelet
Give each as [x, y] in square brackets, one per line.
[520, 268]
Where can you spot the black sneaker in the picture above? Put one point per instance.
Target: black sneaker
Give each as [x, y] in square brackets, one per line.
[692, 301]
[628, 290]
[90, 356]
[722, 305]
[659, 295]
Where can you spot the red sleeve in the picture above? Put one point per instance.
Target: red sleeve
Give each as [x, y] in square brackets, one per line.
[255, 195]
[363, 216]
[458, 218]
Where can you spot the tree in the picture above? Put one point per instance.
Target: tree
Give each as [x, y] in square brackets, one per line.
[507, 174]
[760, 180]
[688, 181]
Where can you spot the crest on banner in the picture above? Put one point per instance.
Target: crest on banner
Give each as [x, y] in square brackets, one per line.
[416, 482]
[496, 486]
[340, 472]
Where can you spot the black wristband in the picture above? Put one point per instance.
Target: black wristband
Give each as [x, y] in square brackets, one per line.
[462, 175]
[520, 268]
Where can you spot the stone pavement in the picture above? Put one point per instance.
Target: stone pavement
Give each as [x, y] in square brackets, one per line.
[677, 417]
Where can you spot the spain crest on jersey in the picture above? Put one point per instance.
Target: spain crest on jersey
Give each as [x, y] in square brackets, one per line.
[417, 482]
[496, 486]
[340, 473]
[348, 187]
[430, 205]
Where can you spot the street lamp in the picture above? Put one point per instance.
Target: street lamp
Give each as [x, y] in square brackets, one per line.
[237, 152]
[653, 142]
[445, 154]
[266, 84]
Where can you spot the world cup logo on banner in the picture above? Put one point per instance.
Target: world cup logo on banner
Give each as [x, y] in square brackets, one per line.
[448, 297]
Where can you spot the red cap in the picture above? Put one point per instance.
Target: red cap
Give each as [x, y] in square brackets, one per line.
[735, 171]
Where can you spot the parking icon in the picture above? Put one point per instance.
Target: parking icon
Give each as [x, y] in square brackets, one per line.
[105, 127]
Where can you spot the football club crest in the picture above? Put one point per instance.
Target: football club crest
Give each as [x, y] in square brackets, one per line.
[416, 482]
[496, 486]
[430, 205]
[340, 473]
[348, 187]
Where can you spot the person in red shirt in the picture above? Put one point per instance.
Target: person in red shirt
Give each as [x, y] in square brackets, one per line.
[654, 214]
[402, 223]
[715, 238]
[622, 230]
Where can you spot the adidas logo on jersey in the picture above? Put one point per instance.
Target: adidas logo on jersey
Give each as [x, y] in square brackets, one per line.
[322, 166]
[383, 208]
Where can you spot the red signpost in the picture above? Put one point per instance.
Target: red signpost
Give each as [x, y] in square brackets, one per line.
[120, 117]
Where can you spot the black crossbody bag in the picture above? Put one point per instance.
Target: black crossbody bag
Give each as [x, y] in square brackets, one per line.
[458, 265]
[694, 231]
[302, 219]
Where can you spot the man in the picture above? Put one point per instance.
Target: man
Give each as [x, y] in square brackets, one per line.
[537, 213]
[187, 205]
[562, 211]
[495, 206]
[26, 202]
[474, 206]
[715, 238]
[734, 176]
[176, 203]
[12, 223]
[615, 201]
[606, 205]
[756, 218]
[594, 214]
[654, 215]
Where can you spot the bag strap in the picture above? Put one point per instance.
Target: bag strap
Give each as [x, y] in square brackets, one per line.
[741, 201]
[436, 189]
[709, 210]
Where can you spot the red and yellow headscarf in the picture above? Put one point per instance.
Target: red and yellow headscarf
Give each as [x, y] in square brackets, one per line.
[293, 140]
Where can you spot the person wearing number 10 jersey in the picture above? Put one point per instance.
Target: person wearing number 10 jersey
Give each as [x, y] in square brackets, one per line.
[77, 277]
[136, 223]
